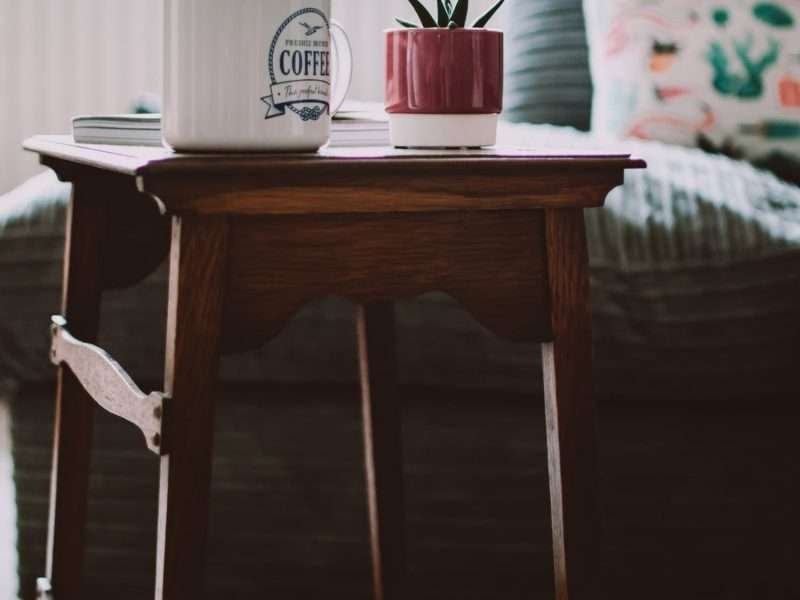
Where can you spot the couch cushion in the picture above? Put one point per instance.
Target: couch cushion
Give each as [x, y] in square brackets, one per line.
[547, 75]
[720, 75]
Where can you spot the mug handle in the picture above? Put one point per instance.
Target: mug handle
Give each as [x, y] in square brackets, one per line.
[342, 62]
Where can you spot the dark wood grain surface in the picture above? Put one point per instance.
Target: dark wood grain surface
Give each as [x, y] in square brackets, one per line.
[194, 317]
[490, 261]
[141, 237]
[371, 187]
[383, 448]
[74, 413]
[138, 160]
[569, 410]
[340, 181]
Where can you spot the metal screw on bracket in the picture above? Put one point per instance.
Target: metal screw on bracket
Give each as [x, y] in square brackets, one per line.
[157, 412]
[156, 440]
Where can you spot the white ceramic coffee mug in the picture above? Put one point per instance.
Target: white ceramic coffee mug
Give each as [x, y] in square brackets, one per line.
[252, 75]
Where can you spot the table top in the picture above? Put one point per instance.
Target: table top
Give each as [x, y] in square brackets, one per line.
[486, 178]
[138, 160]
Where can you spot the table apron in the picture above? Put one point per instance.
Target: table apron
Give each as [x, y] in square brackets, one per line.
[493, 262]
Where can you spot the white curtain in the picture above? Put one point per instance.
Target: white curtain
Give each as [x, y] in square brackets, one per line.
[59, 58]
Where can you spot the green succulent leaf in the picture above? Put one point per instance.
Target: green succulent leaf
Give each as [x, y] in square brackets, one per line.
[486, 17]
[459, 14]
[407, 24]
[424, 16]
[443, 18]
[773, 14]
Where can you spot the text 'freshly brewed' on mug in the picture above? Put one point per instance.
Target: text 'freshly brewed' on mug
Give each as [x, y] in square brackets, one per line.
[252, 75]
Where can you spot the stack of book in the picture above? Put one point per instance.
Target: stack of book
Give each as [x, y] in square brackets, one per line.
[120, 130]
[357, 124]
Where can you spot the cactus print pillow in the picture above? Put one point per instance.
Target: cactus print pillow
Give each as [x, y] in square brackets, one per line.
[720, 74]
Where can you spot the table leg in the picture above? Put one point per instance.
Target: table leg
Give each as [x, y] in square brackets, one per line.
[74, 412]
[382, 448]
[197, 282]
[567, 363]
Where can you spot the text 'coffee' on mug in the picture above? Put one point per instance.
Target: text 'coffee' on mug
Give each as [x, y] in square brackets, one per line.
[252, 76]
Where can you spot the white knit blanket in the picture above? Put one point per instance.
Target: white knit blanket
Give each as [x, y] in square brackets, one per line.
[687, 209]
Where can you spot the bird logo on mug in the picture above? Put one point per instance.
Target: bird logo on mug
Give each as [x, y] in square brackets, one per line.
[299, 67]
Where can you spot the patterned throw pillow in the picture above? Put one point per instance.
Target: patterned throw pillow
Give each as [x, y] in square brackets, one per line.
[720, 74]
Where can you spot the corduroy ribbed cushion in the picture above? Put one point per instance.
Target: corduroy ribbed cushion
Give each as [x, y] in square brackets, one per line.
[547, 64]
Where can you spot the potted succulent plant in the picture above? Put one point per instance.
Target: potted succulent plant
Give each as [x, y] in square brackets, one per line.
[444, 79]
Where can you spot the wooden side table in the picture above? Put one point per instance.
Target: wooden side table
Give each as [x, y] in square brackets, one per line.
[251, 239]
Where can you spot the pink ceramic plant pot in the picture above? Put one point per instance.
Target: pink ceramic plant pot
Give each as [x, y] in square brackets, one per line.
[444, 87]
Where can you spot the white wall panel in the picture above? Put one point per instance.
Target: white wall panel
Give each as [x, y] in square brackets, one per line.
[59, 58]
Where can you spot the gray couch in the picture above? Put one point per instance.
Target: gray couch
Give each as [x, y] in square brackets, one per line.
[695, 291]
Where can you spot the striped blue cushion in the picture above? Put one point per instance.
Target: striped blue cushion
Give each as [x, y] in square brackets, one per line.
[547, 58]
